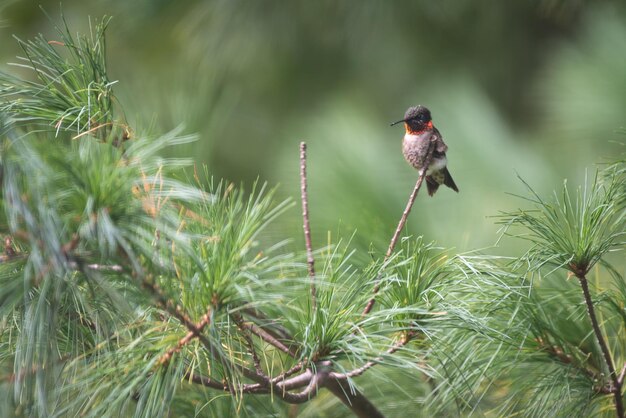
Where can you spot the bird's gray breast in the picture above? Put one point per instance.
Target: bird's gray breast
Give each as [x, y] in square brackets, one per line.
[415, 148]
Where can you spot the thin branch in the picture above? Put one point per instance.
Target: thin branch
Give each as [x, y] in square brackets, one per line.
[403, 218]
[246, 336]
[311, 390]
[620, 379]
[295, 382]
[103, 267]
[278, 382]
[271, 326]
[290, 372]
[9, 251]
[268, 338]
[617, 385]
[312, 381]
[305, 223]
[559, 354]
[210, 383]
[114, 268]
[260, 378]
[206, 318]
[176, 311]
[360, 370]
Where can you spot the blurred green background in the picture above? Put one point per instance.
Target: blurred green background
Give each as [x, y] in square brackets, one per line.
[535, 88]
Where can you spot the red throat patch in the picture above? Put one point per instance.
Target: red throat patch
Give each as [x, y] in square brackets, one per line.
[408, 129]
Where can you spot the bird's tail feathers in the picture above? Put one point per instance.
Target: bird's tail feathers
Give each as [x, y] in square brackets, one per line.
[431, 185]
[447, 180]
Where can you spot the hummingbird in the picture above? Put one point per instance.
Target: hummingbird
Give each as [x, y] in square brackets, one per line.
[420, 134]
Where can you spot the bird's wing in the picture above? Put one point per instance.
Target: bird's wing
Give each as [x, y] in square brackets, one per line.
[437, 138]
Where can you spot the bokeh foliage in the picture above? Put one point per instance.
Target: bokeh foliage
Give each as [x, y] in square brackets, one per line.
[529, 87]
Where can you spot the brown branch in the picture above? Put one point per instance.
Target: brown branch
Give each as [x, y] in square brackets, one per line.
[591, 372]
[295, 382]
[312, 382]
[263, 381]
[268, 338]
[206, 318]
[290, 372]
[403, 218]
[360, 370]
[260, 378]
[305, 223]
[9, 251]
[279, 381]
[307, 379]
[271, 326]
[353, 399]
[175, 311]
[208, 382]
[559, 353]
[617, 384]
[246, 336]
[259, 389]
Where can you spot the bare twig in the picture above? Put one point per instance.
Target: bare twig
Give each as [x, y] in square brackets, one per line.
[305, 223]
[617, 384]
[403, 218]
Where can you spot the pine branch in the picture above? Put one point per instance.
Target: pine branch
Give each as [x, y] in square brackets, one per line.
[246, 336]
[617, 383]
[406, 338]
[268, 338]
[353, 399]
[175, 311]
[206, 319]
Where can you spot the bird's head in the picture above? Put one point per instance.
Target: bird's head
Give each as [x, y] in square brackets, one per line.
[416, 119]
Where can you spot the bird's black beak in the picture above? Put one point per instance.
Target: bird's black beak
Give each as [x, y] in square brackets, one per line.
[395, 123]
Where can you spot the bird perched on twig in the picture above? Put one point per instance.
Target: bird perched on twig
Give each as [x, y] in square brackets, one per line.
[419, 137]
